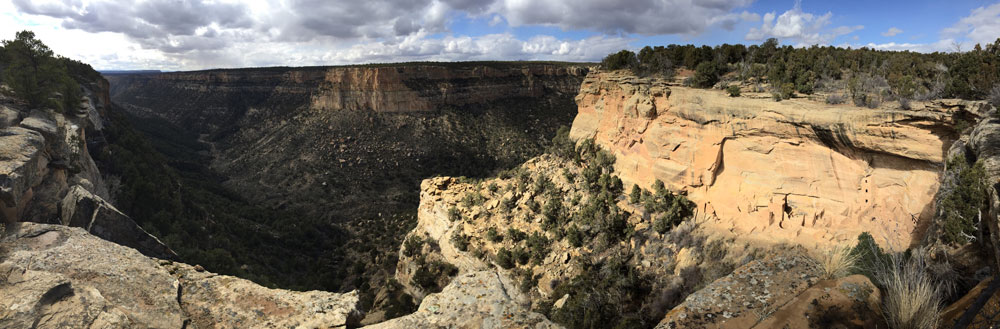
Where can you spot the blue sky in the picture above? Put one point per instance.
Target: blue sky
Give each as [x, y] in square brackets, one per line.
[198, 34]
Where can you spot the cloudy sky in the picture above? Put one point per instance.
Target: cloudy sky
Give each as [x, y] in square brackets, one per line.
[198, 34]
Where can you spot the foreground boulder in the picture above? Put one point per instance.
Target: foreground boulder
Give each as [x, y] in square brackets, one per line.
[482, 299]
[53, 276]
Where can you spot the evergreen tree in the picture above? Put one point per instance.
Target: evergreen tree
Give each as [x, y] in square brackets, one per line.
[35, 75]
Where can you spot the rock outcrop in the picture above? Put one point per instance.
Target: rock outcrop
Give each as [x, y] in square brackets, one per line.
[48, 176]
[793, 171]
[484, 299]
[53, 276]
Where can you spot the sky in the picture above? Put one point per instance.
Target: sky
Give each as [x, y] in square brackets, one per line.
[200, 34]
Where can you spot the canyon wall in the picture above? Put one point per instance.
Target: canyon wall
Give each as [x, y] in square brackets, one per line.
[349, 142]
[792, 171]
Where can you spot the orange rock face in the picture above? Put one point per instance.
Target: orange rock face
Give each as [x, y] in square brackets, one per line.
[795, 171]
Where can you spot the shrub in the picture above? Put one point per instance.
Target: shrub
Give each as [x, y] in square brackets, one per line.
[413, 245]
[516, 235]
[910, 297]
[964, 202]
[706, 74]
[837, 262]
[904, 103]
[733, 90]
[505, 258]
[493, 236]
[994, 96]
[636, 195]
[776, 96]
[868, 256]
[622, 60]
[539, 246]
[454, 215]
[460, 240]
[472, 199]
[787, 90]
[835, 99]
[574, 236]
[521, 256]
[427, 275]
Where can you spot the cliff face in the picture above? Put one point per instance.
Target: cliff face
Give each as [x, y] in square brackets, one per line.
[48, 176]
[797, 171]
[208, 100]
[357, 140]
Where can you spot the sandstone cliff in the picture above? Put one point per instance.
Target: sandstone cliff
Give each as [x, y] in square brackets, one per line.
[797, 171]
[48, 176]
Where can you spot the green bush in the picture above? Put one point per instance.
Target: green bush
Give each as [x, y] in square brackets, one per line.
[605, 295]
[460, 240]
[706, 74]
[493, 236]
[413, 246]
[961, 205]
[428, 275]
[733, 90]
[622, 60]
[521, 255]
[516, 235]
[539, 246]
[869, 256]
[454, 215]
[505, 258]
[787, 90]
[472, 199]
[574, 236]
[635, 196]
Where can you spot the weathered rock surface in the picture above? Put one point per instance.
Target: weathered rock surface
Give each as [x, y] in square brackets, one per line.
[483, 299]
[80, 208]
[54, 276]
[796, 171]
[743, 297]
[850, 302]
[22, 167]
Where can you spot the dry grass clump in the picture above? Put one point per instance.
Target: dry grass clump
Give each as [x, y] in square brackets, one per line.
[837, 262]
[911, 298]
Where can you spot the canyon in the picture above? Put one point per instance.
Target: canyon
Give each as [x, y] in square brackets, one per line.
[493, 233]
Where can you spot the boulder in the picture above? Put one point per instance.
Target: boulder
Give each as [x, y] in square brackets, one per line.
[474, 300]
[80, 208]
[8, 116]
[53, 276]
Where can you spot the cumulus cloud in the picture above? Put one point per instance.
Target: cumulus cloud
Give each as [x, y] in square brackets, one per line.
[981, 26]
[893, 31]
[204, 33]
[801, 27]
[646, 17]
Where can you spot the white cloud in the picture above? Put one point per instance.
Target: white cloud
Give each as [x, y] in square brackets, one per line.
[801, 27]
[646, 17]
[893, 31]
[192, 34]
[981, 26]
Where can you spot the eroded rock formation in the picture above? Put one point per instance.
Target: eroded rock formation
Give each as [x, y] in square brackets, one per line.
[53, 276]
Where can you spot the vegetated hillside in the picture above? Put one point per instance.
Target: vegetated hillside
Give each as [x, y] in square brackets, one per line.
[344, 142]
